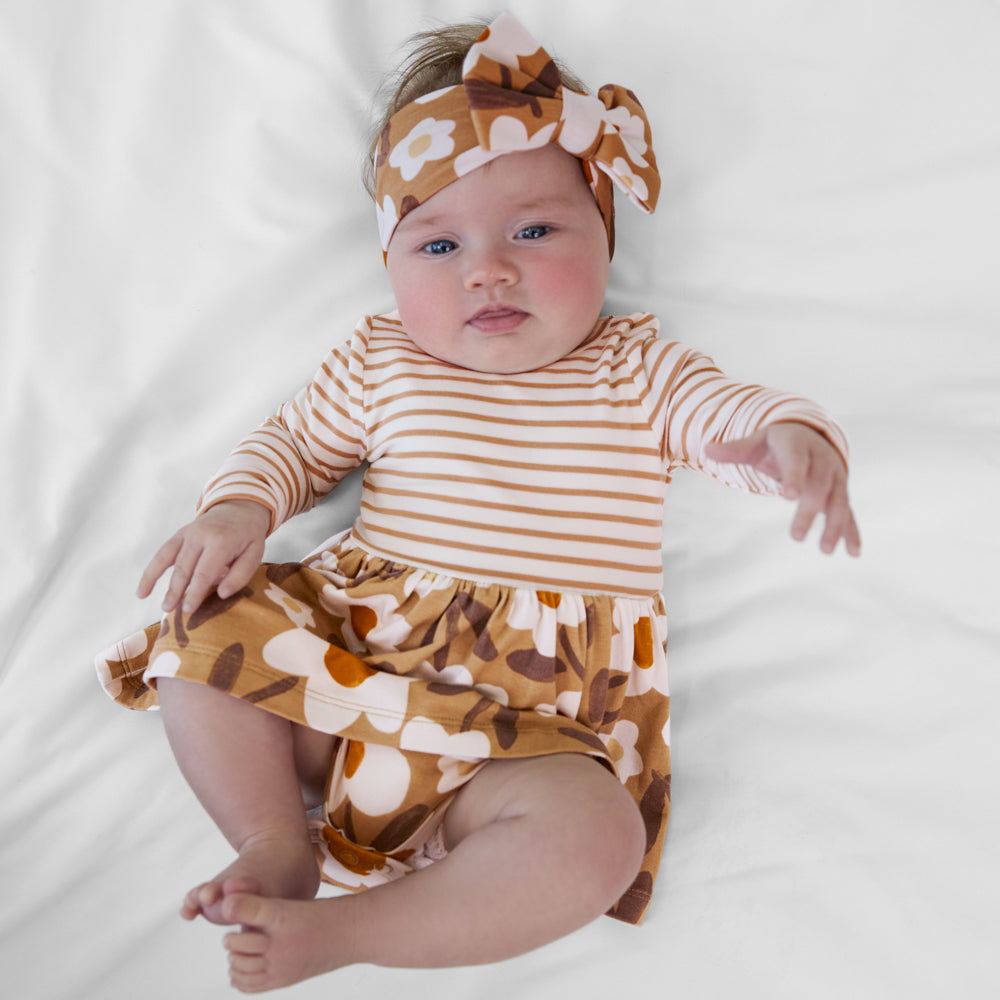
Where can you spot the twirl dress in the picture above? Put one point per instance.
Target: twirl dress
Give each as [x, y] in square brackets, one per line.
[499, 594]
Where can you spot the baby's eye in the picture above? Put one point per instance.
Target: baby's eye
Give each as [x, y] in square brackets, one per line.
[439, 247]
[533, 232]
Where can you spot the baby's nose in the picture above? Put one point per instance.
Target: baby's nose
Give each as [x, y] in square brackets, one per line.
[489, 269]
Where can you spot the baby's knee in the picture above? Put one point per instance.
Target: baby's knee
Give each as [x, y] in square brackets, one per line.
[608, 841]
[620, 843]
[586, 828]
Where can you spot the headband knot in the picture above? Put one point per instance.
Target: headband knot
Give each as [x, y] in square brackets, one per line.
[512, 100]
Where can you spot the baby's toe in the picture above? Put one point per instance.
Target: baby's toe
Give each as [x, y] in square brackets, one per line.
[200, 897]
[243, 908]
[245, 884]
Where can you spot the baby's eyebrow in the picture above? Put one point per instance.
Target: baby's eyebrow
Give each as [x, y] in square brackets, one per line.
[529, 205]
[425, 221]
[536, 204]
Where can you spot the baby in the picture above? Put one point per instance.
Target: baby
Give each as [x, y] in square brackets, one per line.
[459, 706]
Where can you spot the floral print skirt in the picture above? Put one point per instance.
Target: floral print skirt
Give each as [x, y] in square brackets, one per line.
[424, 678]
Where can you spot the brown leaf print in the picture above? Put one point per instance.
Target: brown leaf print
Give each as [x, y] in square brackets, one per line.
[279, 572]
[505, 726]
[567, 648]
[179, 631]
[400, 829]
[470, 717]
[227, 668]
[547, 78]
[610, 715]
[213, 606]
[476, 614]
[485, 96]
[484, 647]
[272, 690]
[140, 691]
[408, 205]
[435, 687]
[348, 822]
[597, 697]
[533, 665]
[652, 806]
[587, 739]
[632, 904]
[384, 147]
[610, 718]
[591, 623]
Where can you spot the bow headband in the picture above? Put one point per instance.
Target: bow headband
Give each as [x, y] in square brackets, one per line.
[511, 99]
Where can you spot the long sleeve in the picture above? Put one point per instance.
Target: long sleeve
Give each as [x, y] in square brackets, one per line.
[300, 454]
[691, 403]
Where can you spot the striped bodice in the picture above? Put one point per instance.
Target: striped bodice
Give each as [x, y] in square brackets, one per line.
[552, 479]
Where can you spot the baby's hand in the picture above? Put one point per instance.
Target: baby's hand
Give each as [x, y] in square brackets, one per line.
[220, 549]
[809, 470]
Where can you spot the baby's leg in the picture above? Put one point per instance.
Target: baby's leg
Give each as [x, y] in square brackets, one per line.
[538, 848]
[240, 762]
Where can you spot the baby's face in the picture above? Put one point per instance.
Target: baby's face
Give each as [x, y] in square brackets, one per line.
[505, 269]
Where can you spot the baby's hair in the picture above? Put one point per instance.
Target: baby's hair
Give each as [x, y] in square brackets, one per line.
[434, 62]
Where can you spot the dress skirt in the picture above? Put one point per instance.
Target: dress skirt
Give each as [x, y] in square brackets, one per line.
[424, 678]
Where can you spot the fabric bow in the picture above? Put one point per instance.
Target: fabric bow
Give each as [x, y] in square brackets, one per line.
[513, 85]
[511, 100]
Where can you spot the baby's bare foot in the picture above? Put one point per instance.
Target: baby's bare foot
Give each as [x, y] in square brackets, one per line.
[205, 900]
[283, 941]
[267, 865]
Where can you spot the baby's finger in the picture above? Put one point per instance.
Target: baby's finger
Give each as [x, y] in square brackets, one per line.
[182, 575]
[158, 565]
[793, 469]
[838, 518]
[813, 499]
[833, 531]
[203, 581]
[853, 537]
[805, 514]
[238, 575]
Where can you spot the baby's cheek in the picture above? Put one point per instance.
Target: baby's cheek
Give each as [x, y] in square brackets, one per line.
[579, 284]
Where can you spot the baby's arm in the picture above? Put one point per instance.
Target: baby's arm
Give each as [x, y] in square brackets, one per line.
[220, 549]
[808, 469]
[282, 468]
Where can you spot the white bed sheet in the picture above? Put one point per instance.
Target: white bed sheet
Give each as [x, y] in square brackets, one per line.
[182, 236]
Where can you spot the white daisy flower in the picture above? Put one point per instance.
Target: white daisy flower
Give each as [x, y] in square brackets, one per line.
[632, 130]
[507, 135]
[632, 184]
[428, 140]
[297, 612]
[388, 218]
[621, 747]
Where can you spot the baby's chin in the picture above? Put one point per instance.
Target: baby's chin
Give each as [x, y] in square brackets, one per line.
[521, 367]
[514, 354]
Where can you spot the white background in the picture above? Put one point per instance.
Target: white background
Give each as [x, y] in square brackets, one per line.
[183, 235]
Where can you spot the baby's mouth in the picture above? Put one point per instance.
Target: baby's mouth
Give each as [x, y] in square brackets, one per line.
[498, 319]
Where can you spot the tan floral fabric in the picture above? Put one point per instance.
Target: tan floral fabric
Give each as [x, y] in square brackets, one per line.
[424, 678]
[511, 100]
